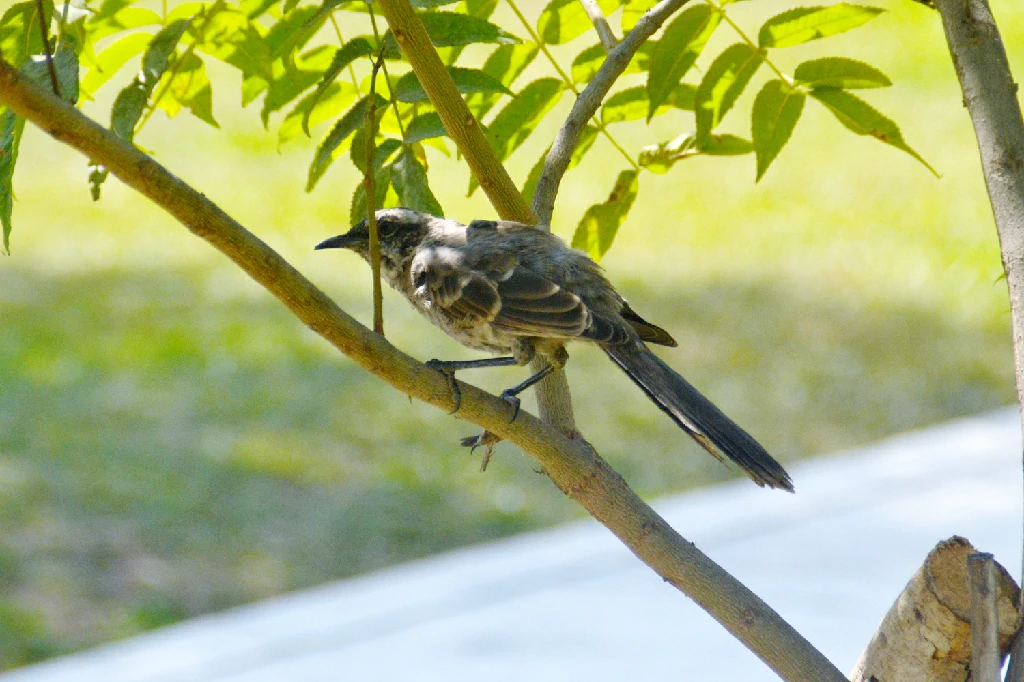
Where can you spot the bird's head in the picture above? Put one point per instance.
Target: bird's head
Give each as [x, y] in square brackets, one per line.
[400, 231]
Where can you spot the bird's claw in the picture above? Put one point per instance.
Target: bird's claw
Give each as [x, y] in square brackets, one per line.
[512, 399]
[453, 385]
[487, 440]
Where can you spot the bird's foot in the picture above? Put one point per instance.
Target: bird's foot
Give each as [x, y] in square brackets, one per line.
[486, 440]
[449, 374]
[510, 397]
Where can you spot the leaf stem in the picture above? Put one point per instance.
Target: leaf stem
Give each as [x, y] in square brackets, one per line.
[341, 43]
[379, 64]
[46, 48]
[568, 81]
[370, 187]
[764, 56]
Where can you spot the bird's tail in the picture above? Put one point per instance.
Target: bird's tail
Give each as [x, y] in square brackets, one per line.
[696, 415]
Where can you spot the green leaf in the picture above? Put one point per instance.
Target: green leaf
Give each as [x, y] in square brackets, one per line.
[601, 222]
[676, 52]
[563, 20]
[110, 61]
[127, 110]
[723, 83]
[190, 88]
[518, 119]
[424, 127]
[505, 64]
[19, 31]
[352, 50]
[587, 138]
[587, 63]
[776, 110]
[103, 24]
[65, 64]
[234, 39]
[631, 104]
[409, 179]
[408, 88]
[159, 52]
[803, 24]
[308, 114]
[861, 118]
[632, 12]
[448, 29]
[11, 127]
[292, 80]
[334, 143]
[840, 72]
[724, 145]
[293, 31]
[131, 101]
[431, 4]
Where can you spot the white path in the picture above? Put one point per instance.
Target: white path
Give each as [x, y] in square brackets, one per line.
[573, 604]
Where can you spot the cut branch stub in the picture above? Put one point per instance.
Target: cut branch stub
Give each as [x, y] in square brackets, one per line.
[926, 635]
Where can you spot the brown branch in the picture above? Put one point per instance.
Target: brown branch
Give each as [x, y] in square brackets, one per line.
[986, 658]
[571, 464]
[455, 115]
[990, 96]
[557, 161]
[553, 396]
[370, 189]
[597, 18]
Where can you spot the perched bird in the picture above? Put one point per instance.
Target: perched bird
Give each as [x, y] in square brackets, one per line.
[514, 290]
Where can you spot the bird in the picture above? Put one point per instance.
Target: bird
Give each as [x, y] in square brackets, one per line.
[521, 293]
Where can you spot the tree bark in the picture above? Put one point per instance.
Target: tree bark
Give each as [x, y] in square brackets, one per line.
[926, 635]
[990, 96]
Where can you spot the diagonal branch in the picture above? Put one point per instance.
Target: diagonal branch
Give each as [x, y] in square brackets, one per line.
[597, 18]
[557, 161]
[553, 396]
[573, 466]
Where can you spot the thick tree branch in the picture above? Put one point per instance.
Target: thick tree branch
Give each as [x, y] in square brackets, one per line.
[557, 161]
[553, 397]
[990, 96]
[455, 115]
[571, 464]
[604, 31]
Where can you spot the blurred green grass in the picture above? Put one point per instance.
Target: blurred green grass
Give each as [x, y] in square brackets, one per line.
[173, 442]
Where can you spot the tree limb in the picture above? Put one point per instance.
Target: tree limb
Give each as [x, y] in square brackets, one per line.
[571, 464]
[604, 31]
[557, 161]
[986, 654]
[553, 397]
[990, 96]
[455, 115]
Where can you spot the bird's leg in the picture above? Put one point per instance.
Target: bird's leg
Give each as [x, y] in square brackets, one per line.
[511, 395]
[449, 367]
[556, 357]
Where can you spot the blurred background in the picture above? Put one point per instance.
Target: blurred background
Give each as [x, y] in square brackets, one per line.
[173, 442]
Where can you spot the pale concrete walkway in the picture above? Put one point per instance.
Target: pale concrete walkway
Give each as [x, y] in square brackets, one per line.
[573, 604]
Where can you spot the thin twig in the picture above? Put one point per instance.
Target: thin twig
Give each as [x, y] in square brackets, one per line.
[604, 31]
[46, 48]
[985, 657]
[384, 67]
[370, 187]
[557, 161]
[570, 463]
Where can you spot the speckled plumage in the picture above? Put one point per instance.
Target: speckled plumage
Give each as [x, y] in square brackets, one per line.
[511, 289]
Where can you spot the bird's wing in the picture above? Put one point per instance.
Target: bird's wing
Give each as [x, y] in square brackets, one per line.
[532, 305]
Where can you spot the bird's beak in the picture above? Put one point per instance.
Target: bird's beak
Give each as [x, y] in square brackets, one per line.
[342, 241]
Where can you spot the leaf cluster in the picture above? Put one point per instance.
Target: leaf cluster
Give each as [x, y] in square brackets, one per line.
[307, 64]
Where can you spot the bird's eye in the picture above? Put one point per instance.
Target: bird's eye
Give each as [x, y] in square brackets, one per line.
[385, 227]
[421, 279]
